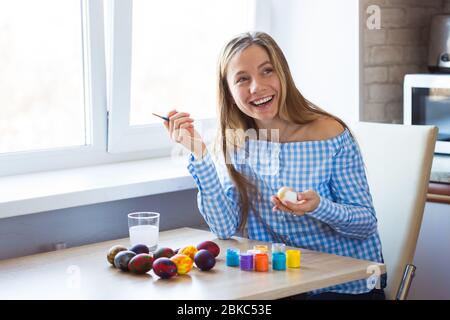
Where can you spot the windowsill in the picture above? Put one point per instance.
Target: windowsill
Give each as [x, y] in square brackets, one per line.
[38, 192]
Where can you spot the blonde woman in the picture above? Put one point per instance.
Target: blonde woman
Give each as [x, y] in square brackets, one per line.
[270, 136]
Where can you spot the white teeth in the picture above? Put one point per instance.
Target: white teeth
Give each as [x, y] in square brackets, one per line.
[263, 100]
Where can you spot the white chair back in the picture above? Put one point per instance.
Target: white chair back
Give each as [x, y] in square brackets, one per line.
[398, 160]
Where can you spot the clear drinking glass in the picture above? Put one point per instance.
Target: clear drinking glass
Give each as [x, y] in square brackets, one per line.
[144, 229]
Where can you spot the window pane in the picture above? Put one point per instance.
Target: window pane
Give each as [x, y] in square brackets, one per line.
[176, 44]
[41, 78]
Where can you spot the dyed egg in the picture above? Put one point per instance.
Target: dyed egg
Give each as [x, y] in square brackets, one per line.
[190, 251]
[163, 252]
[164, 268]
[287, 194]
[141, 263]
[140, 248]
[204, 260]
[210, 246]
[183, 262]
[122, 259]
[113, 251]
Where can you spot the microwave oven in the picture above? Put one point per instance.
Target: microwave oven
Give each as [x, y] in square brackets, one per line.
[426, 101]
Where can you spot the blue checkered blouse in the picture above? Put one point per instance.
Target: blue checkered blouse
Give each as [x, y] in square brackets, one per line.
[344, 223]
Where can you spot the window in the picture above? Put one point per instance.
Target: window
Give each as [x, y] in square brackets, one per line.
[80, 78]
[41, 83]
[51, 85]
[166, 53]
[177, 67]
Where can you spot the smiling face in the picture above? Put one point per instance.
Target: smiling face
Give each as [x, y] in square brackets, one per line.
[254, 84]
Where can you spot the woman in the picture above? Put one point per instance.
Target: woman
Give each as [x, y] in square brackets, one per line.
[270, 136]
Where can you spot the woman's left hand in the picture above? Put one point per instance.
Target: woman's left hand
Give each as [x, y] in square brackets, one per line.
[307, 201]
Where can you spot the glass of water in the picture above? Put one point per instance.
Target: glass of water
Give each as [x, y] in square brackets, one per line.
[144, 229]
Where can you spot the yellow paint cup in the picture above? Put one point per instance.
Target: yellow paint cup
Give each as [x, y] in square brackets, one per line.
[293, 258]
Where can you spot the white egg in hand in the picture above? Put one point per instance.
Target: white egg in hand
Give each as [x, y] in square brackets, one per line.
[287, 194]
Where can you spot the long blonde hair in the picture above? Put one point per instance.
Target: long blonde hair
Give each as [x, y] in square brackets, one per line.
[293, 108]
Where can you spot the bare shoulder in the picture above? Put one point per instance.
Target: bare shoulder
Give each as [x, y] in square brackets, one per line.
[325, 128]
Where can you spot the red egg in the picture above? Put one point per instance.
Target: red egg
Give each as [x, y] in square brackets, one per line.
[204, 260]
[141, 263]
[164, 268]
[210, 246]
[163, 252]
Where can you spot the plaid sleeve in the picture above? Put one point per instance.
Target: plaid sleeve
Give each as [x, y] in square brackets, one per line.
[350, 211]
[217, 198]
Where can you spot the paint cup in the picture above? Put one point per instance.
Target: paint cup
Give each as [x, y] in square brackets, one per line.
[261, 262]
[293, 258]
[232, 258]
[278, 261]
[246, 261]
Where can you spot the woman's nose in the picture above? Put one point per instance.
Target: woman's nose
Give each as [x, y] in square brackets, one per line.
[255, 86]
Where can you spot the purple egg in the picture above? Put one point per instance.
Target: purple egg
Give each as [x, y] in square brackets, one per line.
[164, 268]
[140, 248]
[204, 260]
[122, 259]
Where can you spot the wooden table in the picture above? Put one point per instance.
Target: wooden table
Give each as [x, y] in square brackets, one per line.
[84, 273]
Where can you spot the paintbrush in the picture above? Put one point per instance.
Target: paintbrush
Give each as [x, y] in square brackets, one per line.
[164, 118]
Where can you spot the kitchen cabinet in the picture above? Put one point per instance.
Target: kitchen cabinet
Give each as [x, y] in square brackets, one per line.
[432, 257]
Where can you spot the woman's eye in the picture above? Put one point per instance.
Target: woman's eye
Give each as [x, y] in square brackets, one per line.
[268, 70]
[242, 79]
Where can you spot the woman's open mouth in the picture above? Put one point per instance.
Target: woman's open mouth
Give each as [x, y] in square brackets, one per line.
[263, 102]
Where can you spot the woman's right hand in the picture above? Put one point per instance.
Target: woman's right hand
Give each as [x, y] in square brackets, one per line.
[181, 130]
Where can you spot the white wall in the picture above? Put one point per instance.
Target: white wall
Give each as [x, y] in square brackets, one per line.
[320, 39]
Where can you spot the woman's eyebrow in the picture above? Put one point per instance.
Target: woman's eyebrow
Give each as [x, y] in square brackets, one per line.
[261, 65]
[264, 63]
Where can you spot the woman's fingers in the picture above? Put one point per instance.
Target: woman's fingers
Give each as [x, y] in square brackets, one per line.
[296, 207]
[174, 117]
[171, 113]
[287, 206]
[307, 201]
[279, 204]
[168, 115]
[180, 127]
[181, 121]
[183, 130]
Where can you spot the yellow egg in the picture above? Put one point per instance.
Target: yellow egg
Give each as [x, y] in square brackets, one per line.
[190, 251]
[183, 262]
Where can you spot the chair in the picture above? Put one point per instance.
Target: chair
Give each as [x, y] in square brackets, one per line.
[398, 161]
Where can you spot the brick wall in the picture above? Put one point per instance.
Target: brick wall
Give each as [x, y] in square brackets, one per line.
[399, 47]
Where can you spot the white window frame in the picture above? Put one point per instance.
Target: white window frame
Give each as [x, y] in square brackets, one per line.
[122, 137]
[113, 142]
[95, 107]
[94, 73]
